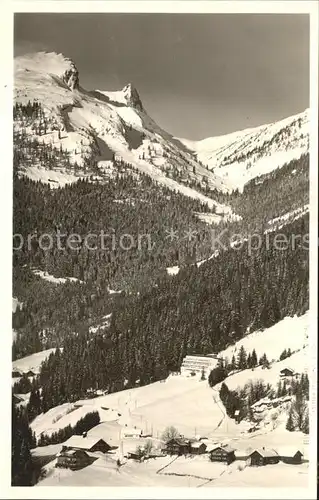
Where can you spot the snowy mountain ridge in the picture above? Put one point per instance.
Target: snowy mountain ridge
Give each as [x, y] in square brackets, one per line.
[241, 156]
[99, 126]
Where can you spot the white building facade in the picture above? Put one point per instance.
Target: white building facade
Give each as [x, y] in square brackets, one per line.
[199, 364]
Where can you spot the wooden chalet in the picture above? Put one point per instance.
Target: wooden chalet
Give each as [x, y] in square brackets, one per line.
[177, 446]
[197, 448]
[263, 456]
[287, 372]
[223, 454]
[86, 443]
[73, 459]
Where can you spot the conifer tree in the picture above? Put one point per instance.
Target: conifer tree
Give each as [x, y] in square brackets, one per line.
[242, 359]
[290, 424]
[233, 362]
[254, 361]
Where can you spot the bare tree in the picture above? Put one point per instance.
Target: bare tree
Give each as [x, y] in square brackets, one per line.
[170, 433]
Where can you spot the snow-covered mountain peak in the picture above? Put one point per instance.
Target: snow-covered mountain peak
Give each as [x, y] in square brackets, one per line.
[49, 63]
[132, 97]
[97, 130]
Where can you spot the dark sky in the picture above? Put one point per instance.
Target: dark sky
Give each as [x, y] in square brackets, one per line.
[197, 75]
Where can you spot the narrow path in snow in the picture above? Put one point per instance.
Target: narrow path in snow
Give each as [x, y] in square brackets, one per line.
[210, 480]
[221, 409]
[169, 463]
[187, 475]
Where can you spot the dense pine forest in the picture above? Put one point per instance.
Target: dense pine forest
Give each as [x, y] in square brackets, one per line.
[129, 203]
[196, 311]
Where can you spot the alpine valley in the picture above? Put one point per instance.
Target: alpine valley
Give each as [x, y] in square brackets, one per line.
[191, 267]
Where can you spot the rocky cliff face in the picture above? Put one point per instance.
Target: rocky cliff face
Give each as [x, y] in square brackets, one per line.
[132, 97]
[71, 76]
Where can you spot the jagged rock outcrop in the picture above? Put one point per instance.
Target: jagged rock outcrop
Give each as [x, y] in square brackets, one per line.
[132, 97]
[71, 76]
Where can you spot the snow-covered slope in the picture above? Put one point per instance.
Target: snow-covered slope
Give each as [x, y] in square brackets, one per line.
[180, 401]
[241, 156]
[103, 127]
[195, 409]
[189, 404]
[32, 362]
[299, 362]
[291, 332]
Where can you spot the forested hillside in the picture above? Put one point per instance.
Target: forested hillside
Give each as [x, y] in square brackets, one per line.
[129, 203]
[196, 311]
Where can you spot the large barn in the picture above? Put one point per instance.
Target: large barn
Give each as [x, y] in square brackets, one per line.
[86, 443]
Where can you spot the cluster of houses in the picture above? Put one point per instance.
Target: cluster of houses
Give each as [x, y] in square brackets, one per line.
[227, 454]
[79, 451]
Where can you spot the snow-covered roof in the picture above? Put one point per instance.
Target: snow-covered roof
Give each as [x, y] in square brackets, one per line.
[83, 443]
[197, 444]
[265, 452]
[287, 368]
[225, 447]
[244, 452]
